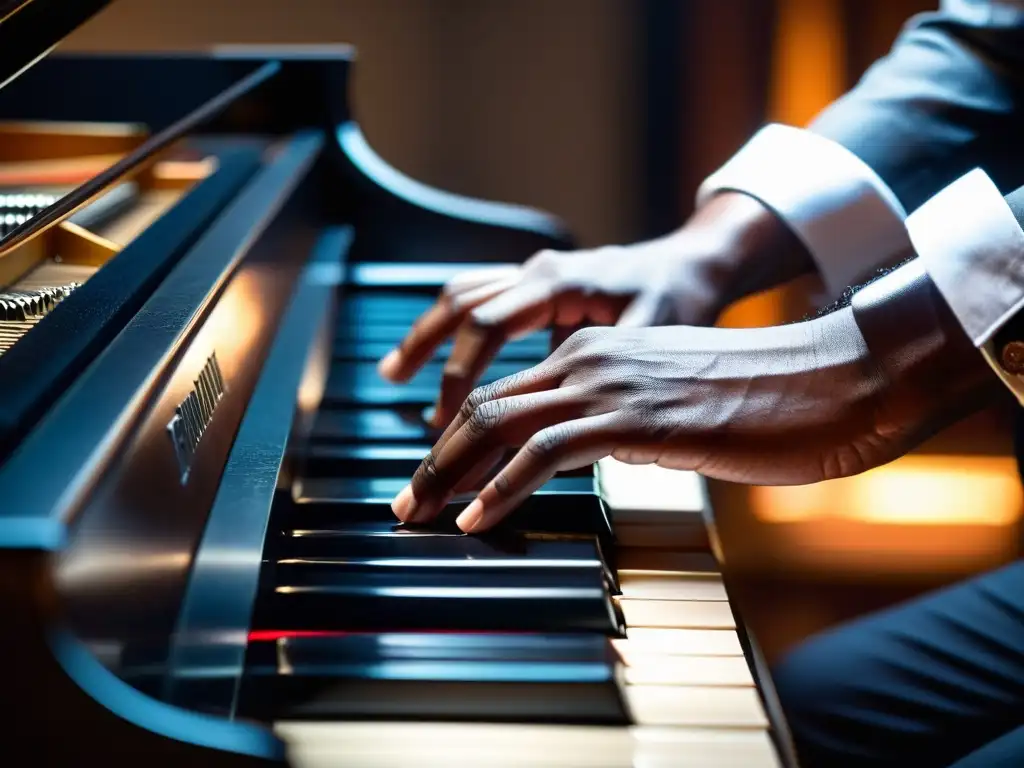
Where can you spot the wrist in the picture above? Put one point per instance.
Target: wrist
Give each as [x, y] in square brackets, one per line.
[934, 374]
[750, 249]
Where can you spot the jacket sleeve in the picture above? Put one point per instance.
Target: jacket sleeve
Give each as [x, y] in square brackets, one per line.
[948, 98]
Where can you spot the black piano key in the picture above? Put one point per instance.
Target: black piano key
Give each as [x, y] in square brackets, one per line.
[491, 677]
[379, 307]
[356, 425]
[384, 333]
[326, 460]
[370, 538]
[358, 383]
[470, 596]
[341, 544]
[383, 489]
[368, 460]
[540, 513]
[528, 350]
[558, 509]
[423, 277]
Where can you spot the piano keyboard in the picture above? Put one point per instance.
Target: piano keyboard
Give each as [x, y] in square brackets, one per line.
[593, 630]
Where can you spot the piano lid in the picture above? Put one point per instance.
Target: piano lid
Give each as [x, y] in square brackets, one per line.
[29, 29]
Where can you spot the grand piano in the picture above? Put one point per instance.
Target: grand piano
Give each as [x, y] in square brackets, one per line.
[201, 261]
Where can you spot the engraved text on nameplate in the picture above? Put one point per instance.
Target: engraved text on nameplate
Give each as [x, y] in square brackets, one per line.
[192, 418]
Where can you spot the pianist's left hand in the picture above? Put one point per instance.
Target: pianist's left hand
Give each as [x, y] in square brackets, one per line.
[793, 404]
[731, 247]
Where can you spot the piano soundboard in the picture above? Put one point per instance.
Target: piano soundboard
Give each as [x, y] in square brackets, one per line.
[198, 561]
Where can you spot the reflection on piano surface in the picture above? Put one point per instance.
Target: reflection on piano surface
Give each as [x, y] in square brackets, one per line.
[198, 561]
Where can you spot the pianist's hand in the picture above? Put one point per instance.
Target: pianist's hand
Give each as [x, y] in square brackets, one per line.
[784, 405]
[731, 247]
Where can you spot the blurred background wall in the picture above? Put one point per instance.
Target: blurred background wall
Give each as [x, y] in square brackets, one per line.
[609, 112]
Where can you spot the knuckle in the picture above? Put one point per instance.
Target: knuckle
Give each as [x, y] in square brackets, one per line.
[546, 264]
[467, 408]
[581, 339]
[510, 383]
[543, 257]
[427, 472]
[502, 486]
[484, 318]
[547, 443]
[485, 418]
[478, 397]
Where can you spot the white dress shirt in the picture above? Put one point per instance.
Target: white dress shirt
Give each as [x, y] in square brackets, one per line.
[935, 127]
[851, 223]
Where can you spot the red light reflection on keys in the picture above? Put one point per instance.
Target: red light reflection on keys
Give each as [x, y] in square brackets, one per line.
[273, 635]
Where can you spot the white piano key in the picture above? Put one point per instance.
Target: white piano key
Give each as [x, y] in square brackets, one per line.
[690, 614]
[671, 585]
[649, 559]
[696, 706]
[645, 668]
[660, 747]
[649, 493]
[688, 534]
[685, 642]
[441, 745]
[471, 745]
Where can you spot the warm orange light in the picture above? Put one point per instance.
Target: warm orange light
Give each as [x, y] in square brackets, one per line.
[807, 74]
[916, 490]
[808, 59]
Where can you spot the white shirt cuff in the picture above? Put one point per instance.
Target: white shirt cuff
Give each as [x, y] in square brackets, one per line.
[970, 243]
[845, 215]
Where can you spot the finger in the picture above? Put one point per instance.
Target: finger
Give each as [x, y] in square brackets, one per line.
[474, 349]
[475, 278]
[570, 308]
[638, 454]
[558, 447]
[540, 378]
[536, 379]
[526, 305]
[644, 311]
[523, 307]
[432, 328]
[494, 425]
[474, 479]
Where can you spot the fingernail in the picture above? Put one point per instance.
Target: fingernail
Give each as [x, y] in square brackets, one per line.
[471, 517]
[403, 503]
[386, 367]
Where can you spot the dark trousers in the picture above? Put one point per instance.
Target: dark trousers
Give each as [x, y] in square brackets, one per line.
[935, 682]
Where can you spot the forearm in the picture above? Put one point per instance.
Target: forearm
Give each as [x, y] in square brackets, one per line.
[753, 251]
[945, 328]
[935, 373]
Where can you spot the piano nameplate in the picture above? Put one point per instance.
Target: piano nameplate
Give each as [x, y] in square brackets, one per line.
[188, 425]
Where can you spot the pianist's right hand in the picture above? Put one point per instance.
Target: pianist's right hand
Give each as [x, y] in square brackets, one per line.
[733, 246]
